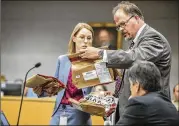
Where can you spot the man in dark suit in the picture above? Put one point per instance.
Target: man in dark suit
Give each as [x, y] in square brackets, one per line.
[146, 44]
[147, 105]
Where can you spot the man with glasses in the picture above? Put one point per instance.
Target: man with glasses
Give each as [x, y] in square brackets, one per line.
[146, 44]
[123, 24]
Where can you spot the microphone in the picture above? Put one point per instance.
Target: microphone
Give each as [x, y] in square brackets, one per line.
[35, 66]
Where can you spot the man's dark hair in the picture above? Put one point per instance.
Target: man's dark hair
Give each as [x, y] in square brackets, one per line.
[129, 9]
[147, 74]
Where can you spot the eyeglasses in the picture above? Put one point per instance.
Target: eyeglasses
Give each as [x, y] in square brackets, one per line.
[123, 24]
[82, 38]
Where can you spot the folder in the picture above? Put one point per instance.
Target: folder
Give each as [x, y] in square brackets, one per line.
[42, 83]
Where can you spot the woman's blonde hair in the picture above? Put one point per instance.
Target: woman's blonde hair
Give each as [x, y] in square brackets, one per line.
[78, 27]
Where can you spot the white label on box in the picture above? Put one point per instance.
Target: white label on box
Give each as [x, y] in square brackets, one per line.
[102, 72]
[89, 75]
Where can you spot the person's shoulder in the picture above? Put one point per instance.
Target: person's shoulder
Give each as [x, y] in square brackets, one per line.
[150, 30]
[62, 57]
[153, 33]
[137, 100]
[146, 99]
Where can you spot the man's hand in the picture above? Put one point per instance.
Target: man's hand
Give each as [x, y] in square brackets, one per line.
[90, 53]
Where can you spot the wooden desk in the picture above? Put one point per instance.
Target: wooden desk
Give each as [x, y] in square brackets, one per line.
[35, 111]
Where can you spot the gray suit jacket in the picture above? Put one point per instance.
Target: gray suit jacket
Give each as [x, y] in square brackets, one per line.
[151, 46]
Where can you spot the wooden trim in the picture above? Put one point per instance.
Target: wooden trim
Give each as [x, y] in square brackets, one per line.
[46, 99]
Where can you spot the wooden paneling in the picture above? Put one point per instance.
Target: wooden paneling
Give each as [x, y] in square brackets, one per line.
[35, 111]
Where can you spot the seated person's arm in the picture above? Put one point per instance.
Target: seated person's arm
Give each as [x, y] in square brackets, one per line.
[134, 114]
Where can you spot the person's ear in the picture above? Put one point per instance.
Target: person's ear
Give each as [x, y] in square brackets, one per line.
[74, 39]
[137, 86]
[137, 19]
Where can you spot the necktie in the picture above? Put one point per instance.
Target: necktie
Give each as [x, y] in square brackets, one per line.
[119, 82]
[118, 87]
[131, 45]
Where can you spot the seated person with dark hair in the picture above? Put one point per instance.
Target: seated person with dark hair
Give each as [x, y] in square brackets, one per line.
[147, 105]
[176, 96]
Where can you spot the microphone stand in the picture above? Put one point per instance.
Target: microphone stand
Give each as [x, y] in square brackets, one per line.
[23, 94]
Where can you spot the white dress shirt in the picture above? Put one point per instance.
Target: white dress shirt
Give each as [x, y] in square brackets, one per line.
[105, 58]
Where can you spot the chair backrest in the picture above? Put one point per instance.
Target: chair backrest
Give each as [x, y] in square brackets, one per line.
[4, 121]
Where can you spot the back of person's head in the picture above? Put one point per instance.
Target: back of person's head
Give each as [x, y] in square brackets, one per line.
[129, 9]
[146, 74]
[78, 27]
